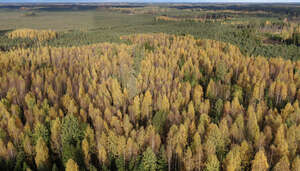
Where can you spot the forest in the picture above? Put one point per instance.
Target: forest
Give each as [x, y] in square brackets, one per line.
[166, 101]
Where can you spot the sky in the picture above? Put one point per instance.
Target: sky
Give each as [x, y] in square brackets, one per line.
[154, 1]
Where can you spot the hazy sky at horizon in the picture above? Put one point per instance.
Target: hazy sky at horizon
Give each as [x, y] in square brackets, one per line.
[155, 1]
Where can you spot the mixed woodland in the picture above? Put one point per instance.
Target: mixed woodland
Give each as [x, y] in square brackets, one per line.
[153, 102]
[269, 30]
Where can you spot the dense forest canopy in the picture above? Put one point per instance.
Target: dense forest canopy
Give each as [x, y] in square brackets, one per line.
[158, 102]
[143, 87]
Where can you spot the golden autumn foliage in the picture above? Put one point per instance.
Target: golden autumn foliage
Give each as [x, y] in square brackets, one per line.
[71, 165]
[195, 105]
[42, 154]
[40, 35]
[260, 162]
[194, 19]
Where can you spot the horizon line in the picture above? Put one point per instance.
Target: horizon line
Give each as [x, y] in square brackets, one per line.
[144, 2]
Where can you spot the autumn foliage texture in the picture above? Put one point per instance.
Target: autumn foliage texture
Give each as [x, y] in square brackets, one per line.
[40, 35]
[192, 19]
[159, 102]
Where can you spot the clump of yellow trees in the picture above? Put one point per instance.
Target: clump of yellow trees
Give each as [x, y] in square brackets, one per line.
[160, 102]
[201, 19]
[40, 35]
